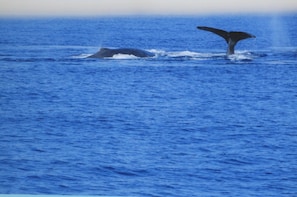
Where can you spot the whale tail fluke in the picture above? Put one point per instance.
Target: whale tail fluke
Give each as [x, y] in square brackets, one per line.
[231, 37]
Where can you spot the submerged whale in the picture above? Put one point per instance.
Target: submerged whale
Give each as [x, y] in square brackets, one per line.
[106, 52]
[231, 37]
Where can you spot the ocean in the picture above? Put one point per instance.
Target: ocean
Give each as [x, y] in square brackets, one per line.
[189, 121]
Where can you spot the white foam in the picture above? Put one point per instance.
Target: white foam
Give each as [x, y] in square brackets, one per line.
[158, 52]
[240, 57]
[183, 54]
[124, 56]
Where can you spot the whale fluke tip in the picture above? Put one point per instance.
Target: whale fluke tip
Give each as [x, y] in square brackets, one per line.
[231, 37]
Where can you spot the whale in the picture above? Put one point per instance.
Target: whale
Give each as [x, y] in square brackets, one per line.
[231, 37]
[108, 53]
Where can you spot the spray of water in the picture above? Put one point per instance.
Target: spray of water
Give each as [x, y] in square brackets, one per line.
[280, 35]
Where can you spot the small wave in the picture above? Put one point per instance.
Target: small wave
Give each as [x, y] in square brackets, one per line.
[284, 49]
[81, 56]
[287, 52]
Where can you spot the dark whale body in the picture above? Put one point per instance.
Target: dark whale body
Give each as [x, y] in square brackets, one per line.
[106, 52]
[231, 37]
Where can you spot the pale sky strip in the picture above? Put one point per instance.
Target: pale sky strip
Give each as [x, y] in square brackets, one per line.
[163, 7]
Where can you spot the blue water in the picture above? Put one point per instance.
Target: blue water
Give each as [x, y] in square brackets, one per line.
[188, 122]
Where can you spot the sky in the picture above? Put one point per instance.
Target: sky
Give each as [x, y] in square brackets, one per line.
[141, 7]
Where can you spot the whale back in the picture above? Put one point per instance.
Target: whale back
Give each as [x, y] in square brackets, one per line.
[106, 52]
[103, 52]
[135, 52]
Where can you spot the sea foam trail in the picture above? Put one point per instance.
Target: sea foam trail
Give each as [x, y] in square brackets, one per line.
[186, 54]
[193, 55]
